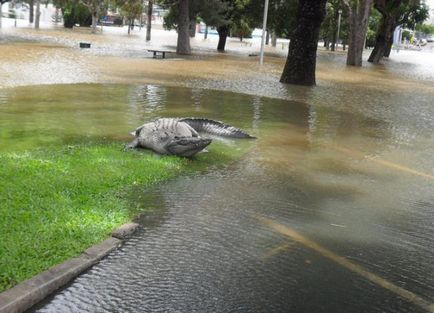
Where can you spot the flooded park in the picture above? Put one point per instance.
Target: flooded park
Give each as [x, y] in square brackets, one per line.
[330, 209]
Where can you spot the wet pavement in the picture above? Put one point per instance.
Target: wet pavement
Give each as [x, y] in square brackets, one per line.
[329, 211]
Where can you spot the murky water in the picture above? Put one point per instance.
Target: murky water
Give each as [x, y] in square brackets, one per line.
[348, 165]
[359, 184]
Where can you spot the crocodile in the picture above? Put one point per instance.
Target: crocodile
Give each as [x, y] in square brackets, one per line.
[180, 136]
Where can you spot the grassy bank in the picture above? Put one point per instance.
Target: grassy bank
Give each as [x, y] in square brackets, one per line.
[54, 203]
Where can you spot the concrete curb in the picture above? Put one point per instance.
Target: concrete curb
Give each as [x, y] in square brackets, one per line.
[28, 293]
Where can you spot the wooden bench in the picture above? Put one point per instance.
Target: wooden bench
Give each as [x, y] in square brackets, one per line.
[84, 45]
[160, 52]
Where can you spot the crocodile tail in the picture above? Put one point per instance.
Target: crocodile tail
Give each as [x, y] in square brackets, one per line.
[215, 128]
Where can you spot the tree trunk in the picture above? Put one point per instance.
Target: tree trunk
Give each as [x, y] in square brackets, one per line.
[333, 45]
[31, 11]
[38, 13]
[223, 34]
[273, 39]
[129, 26]
[149, 23]
[94, 20]
[381, 40]
[1, 13]
[390, 13]
[267, 38]
[301, 61]
[205, 36]
[183, 45]
[389, 46]
[358, 20]
[334, 30]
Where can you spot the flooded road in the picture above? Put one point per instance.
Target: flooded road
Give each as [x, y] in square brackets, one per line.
[330, 210]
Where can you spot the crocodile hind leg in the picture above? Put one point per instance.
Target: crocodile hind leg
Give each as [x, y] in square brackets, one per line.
[133, 144]
[187, 146]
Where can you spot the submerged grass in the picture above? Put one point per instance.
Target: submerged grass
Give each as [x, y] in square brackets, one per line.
[54, 203]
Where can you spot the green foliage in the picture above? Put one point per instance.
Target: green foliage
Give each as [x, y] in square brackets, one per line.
[406, 35]
[425, 28]
[75, 13]
[281, 15]
[212, 12]
[373, 26]
[241, 29]
[329, 26]
[131, 9]
[411, 14]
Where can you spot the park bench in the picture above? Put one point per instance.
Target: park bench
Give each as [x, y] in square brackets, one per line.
[160, 52]
[84, 45]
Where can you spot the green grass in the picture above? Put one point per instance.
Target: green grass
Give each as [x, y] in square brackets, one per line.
[54, 203]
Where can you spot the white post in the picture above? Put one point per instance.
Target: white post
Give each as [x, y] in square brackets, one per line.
[264, 27]
[339, 28]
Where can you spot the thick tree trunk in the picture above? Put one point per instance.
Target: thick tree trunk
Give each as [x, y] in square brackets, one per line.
[149, 21]
[94, 20]
[382, 39]
[183, 45]
[223, 32]
[390, 12]
[267, 38]
[205, 36]
[31, 11]
[38, 13]
[301, 61]
[359, 12]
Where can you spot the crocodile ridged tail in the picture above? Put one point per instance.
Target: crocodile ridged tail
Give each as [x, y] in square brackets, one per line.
[215, 128]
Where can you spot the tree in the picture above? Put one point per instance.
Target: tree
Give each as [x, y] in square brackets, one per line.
[334, 21]
[281, 16]
[31, 11]
[178, 18]
[394, 13]
[74, 12]
[95, 8]
[373, 25]
[131, 9]
[359, 11]
[38, 14]
[425, 28]
[224, 14]
[183, 43]
[149, 20]
[328, 26]
[301, 61]
[411, 13]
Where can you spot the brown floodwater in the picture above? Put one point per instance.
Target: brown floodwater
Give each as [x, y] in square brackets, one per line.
[329, 211]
